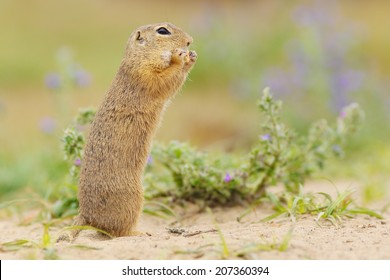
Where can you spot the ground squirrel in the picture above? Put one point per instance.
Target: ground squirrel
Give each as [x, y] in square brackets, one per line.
[156, 63]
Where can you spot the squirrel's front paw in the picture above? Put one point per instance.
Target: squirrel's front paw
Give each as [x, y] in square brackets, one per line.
[180, 55]
[184, 57]
[191, 57]
[190, 60]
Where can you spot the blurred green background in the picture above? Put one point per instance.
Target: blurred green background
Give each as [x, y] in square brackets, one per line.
[317, 56]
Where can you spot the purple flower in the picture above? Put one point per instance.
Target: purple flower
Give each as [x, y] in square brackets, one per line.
[349, 81]
[53, 81]
[82, 78]
[343, 114]
[266, 137]
[278, 80]
[344, 83]
[227, 178]
[47, 125]
[316, 14]
[337, 149]
[77, 162]
[150, 160]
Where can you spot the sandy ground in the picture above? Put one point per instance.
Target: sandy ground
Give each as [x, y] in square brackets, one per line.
[197, 237]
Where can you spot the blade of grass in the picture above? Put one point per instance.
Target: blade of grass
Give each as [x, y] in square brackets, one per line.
[46, 236]
[276, 202]
[80, 246]
[286, 241]
[225, 249]
[252, 248]
[86, 228]
[365, 211]
[327, 196]
[273, 216]
[164, 208]
[18, 244]
[8, 203]
[248, 210]
[337, 202]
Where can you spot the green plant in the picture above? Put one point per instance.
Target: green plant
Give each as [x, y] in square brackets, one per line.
[195, 177]
[179, 172]
[278, 245]
[280, 156]
[283, 156]
[73, 140]
[321, 204]
[45, 245]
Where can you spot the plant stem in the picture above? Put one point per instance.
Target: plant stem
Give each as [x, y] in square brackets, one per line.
[260, 188]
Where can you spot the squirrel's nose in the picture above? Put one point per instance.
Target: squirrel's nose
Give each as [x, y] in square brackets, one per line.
[189, 41]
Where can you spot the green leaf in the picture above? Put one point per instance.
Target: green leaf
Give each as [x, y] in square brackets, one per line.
[336, 203]
[273, 216]
[46, 236]
[286, 241]
[18, 242]
[365, 211]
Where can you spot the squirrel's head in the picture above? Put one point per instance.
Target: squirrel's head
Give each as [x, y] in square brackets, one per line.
[157, 59]
[159, 37]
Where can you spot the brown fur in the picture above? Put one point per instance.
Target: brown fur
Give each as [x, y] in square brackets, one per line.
[153, 69]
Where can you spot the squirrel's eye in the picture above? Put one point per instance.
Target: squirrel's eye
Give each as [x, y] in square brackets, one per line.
[163, 31]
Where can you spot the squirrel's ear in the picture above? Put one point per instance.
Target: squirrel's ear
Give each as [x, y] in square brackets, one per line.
[139, 38]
